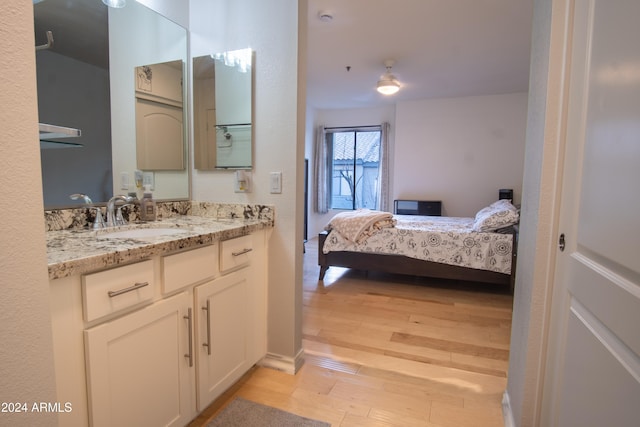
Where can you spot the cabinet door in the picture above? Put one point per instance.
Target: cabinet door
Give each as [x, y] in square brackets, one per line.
[221, 330]
[138, 367]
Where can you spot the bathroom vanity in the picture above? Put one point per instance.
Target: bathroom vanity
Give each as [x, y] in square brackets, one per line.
[149, 327]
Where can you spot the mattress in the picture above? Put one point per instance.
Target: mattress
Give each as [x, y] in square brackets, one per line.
[447, 240]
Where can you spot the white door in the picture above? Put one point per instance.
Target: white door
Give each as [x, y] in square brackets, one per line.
[593, 370]
[138, 367]
[159, 136]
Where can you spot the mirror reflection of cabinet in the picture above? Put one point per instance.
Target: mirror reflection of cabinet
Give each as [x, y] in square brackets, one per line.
[159, 117]
[223, 110]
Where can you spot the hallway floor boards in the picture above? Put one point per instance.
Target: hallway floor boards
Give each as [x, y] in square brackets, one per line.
[383, 350]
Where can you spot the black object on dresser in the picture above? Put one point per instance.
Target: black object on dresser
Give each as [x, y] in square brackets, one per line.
[505, 193]
[417, 207]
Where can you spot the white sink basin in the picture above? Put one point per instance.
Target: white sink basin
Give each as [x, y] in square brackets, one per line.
[141, 233]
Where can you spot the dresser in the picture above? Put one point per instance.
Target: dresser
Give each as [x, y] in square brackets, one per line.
[417, 207]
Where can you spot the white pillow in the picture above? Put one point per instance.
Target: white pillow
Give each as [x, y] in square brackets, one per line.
[497, 215]
[503, 204]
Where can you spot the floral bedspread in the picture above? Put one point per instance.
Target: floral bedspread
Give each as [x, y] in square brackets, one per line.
[447, 240]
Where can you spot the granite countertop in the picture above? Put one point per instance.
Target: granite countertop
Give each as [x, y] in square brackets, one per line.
[80, 251]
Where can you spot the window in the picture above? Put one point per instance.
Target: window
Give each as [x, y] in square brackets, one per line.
[351, 168]
[354, 167]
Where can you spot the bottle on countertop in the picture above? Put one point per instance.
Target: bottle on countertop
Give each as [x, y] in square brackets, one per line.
[147, 206]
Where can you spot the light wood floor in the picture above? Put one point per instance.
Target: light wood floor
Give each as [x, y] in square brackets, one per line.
[384, 350]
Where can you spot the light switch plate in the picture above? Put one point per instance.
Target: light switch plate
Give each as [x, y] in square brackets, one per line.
[275, 182]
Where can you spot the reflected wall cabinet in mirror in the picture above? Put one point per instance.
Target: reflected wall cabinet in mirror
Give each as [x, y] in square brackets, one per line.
[86, 80]
[223, 110]
[159, 116]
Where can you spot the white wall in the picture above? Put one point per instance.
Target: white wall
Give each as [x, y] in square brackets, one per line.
[460, 150]
[534, 281]
[26, 353]
[271, 30]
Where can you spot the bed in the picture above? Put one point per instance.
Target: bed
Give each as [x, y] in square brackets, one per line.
[479, 249]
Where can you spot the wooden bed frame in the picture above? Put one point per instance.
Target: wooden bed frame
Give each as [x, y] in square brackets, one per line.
[400, 264]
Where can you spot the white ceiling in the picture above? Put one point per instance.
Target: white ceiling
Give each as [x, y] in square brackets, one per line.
[442, 48]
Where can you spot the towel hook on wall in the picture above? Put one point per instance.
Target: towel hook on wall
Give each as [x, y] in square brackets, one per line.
[48, 44]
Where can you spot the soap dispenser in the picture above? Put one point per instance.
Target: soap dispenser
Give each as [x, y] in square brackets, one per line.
[147, 206]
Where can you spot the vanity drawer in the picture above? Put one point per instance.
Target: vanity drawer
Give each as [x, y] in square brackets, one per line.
[114, 290]
[186, 268]
[235, 253]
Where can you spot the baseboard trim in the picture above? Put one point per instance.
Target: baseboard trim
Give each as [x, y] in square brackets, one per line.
[290, 365]
[507, 415]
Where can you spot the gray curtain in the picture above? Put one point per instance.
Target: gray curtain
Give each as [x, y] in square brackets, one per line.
[320, 196]
[384, 167]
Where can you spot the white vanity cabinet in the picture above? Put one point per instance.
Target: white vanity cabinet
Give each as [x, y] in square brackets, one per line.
[231, 319]
[177, 333]
[139, 366]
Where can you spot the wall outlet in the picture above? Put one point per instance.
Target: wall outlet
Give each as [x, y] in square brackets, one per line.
[137, 174]
[148, 179]
[242, 181]
[124, 180]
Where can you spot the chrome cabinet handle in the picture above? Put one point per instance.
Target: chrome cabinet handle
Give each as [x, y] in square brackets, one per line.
[242, 252]
[129, 289]
[207, 344]
[189, 319]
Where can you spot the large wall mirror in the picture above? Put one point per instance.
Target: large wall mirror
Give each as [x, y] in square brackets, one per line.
[223, 110]
[87, 80]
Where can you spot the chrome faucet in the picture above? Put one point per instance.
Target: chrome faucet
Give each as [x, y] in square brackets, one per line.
[112, 218]
[99, 221]
[119, 217]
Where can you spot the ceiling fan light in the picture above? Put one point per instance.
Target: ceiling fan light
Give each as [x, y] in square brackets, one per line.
[388, 84]
[115, 3]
